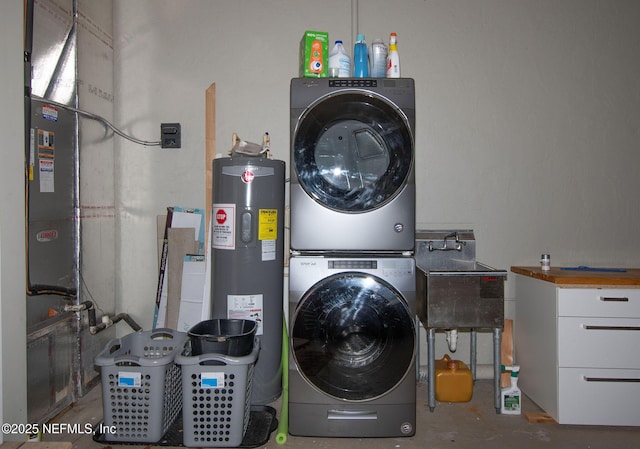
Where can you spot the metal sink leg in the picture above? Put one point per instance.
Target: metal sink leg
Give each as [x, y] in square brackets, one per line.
[497, 342]
[474, 353]
[431, 350]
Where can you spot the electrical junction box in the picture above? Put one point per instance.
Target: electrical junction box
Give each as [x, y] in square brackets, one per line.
[170, 135]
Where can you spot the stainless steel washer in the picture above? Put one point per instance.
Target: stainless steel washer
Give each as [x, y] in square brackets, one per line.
[352, 327]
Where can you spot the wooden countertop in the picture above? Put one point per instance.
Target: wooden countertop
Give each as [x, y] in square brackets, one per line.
[567, 278]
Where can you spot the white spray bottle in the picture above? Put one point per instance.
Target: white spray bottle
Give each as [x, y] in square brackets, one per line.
[511, 396]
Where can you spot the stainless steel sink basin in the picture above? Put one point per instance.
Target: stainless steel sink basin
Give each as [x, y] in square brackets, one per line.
[455, 291]
[461, 298]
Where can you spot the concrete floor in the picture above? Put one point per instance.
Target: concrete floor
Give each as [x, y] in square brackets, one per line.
[472, 424]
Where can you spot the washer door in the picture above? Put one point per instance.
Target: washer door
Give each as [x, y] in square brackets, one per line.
[352, 151]
[353, 336]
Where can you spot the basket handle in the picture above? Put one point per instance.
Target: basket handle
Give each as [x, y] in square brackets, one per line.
[223, 360]
[105, 357]
[129, 359]
[229, 359]
[113, 347]
[163, 333]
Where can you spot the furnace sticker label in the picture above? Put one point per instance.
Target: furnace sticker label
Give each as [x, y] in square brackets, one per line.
[49, 113]
[246, 307]
[223, 235]
[46, 174]
[46, 160]
[46, 144]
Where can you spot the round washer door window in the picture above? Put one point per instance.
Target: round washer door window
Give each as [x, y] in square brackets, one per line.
[353, 337]
[353, 151]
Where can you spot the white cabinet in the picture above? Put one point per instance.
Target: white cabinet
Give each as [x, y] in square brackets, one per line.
[579, 351]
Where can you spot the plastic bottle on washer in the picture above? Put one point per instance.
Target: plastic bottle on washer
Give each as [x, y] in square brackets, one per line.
[360, 58]
[378, 59]
[393, 58]
[339, 61]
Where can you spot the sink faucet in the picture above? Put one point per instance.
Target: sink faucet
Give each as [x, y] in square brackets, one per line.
[457, 246]
[453, 234]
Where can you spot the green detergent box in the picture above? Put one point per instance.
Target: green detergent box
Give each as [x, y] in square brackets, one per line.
[314, 54]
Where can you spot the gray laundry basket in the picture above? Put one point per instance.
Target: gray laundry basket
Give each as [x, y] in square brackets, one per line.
[216, 390]
[141, 385]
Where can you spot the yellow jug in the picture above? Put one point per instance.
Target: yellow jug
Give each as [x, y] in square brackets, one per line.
[454, 381]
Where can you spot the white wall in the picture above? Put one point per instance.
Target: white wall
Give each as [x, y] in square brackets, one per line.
[13, 361]
[527, 116]
[167, 54]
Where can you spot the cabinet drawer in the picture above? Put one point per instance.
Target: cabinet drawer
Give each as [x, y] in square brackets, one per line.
[599, 397]
[598, 342]
[599, 302]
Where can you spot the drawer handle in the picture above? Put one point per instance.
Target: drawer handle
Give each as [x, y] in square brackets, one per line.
[611, 379]
[352, 414]
[612, 328]
[613, 299]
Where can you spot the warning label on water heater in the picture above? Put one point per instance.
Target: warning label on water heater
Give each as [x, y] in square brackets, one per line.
[223, 235]
[268, 224]
[268, 233]
[246, 307]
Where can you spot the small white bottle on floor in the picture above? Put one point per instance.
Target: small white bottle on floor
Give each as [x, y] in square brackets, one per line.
[511, 396]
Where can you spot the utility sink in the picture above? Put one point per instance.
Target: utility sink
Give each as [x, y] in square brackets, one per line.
[455, 291]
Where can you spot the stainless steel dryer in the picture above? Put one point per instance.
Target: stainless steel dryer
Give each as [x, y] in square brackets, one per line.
[353, 346]
[352, 165]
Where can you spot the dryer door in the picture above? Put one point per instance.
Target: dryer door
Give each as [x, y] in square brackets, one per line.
[352, 151]
[353, 336]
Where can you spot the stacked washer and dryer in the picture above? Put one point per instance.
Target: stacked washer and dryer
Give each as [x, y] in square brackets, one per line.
[352, 295]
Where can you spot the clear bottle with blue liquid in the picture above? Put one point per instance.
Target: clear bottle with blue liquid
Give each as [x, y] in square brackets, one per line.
[360, 58]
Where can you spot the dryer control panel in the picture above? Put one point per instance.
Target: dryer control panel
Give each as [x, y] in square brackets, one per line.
[353, 82]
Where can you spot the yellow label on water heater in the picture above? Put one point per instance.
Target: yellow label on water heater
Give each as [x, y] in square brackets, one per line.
[268, 224]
